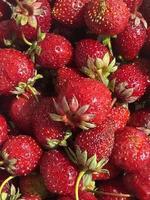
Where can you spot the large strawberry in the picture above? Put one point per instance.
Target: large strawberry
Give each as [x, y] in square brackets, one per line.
[28, 16]
[131, 149]
[134, 35]
[58, 172]
[83, 196]
[3, 130]
[133, 4]
[20, 155]
[129, 82]
[106, 17]
[70, 13]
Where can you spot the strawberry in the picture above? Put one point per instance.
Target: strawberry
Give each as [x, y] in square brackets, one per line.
[28, 16]
[106, 17]
[15, 67]
[133, 4]
[133, 35]
[131, 149]
[70, 13]
[30, 197]
[3, 130]
[82, 195]
[145, 10]
[5, 11]
[33, 184]
[129, 82]
[65, 182]
[20, 155]
[82, 104]
[21, 111]
[138, 184]
[141, 120]
[48, 133]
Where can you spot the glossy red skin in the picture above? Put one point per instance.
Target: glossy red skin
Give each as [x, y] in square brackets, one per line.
[44, 128]
[131, 150]
[70, 13]
[138, 184]
[115, 186]
[88, 48]
[44, 22]
[82, 196]
[58, 172]
[21, 111]
[133, 4]
[134, 76]
[5, 11]
[15, 67]
[25, 150]
[3, 130]
[31, 197]
[56, 52]
[145, 10]
[133, 36]
[99, 141]
[114, 17]
[89, 92]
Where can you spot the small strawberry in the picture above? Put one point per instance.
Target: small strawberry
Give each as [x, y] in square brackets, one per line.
[141, 120]
[58, 172]
[21, 111]
[83, 196]
[3, 130]
[133, 35]
[30, 197]
[131, 149]
[28, 16]
[5, 11]
[129, 82]
[82, 104]
[70, 13]
[106, 17]
[133, 4]
[48, 133]
[145, 10]
[33, 184]
[20, 155]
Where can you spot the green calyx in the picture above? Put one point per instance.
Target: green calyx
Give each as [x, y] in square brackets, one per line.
[26, 12]
[100, 69]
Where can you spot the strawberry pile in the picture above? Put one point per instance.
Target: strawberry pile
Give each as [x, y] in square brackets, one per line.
[75, 99]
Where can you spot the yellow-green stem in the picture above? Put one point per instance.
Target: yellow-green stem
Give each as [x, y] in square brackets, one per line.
[81, 174]
[5, 182]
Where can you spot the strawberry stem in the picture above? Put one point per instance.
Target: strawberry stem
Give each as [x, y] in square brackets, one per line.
[81, 174]
[107, 42]
[5, 182]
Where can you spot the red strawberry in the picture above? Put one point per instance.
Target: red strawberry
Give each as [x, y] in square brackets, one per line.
[20, 155]
[82, 104]
[21, 111]
[58, 172]
[55, 51]
[113, 190]
[133, 4]
[28, 16]
[48, 133]
[145, 10]
[141, 120]
[134, 35]
[82, 196]
[15, 67]
[139, 184]
[5, 11]
[129, 82]
[33, 185]
[30, 197]
[131, 149]
[3, 130]
[70, 13]
[106, 17]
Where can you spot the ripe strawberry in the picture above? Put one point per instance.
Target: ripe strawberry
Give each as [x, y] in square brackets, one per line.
[3, 130]
[129, 82]
[138, 184]
[21, 111]
[15, 67]
[141, 120]
[55, 51]
[131, 149]
[30, 197]
[82, 196]
[5, 11]
[70, 13]
[82, 104]
[106, 17]
[145, 10]
[133, 4]
[33, 184]
[133, 35]
[59, 179]
[20, 155]
[28, 16]
[48, 133]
